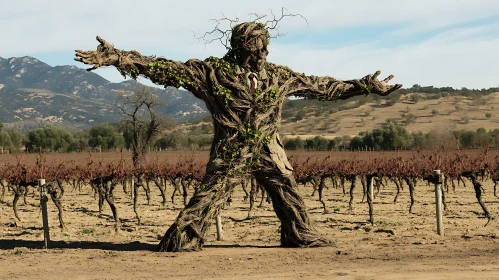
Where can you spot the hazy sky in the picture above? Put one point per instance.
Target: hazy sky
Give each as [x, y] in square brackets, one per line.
[426, 42]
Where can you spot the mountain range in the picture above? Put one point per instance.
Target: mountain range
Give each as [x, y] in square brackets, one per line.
[33, 93]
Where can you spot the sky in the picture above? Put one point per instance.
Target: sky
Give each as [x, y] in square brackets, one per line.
[425, 42]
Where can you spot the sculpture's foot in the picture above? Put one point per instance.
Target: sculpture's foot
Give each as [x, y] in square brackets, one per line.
[304, 239]
[180, 240]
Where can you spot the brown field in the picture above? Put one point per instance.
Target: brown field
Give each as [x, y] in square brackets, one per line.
[399, 245]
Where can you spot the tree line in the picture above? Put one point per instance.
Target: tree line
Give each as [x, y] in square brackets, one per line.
[394, 137]
[100, 137]
[116, 136]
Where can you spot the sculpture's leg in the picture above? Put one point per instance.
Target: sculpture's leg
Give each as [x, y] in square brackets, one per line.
[296, 227]
[189, 229]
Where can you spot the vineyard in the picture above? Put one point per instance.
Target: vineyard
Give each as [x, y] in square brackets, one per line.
[95, 206]
[177, 174]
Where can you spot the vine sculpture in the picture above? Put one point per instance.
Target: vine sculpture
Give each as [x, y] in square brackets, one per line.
[244, 93]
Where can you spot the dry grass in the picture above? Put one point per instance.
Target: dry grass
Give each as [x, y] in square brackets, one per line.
[454, 113]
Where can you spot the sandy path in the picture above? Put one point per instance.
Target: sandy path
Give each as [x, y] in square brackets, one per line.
[433, 261]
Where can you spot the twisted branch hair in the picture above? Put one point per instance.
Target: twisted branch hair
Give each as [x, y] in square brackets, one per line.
[242, 34]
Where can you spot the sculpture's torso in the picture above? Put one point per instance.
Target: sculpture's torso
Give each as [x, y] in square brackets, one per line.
[246, 108]
[243, 99]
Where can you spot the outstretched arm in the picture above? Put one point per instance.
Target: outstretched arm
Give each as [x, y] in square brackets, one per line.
[328, 88]
[189, 75]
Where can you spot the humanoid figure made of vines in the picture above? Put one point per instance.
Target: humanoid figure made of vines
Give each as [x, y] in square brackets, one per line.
[244, 93]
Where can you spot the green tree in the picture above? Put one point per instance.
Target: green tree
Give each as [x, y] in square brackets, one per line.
[49, 138]
[334, 143]
[174, 140]
[494, 134]
[467, 139]
[5, 140]
[294, 144]
[389, 137]
[201, 141]
[482, 137]
[419, 140]
[356, 143]
[105, 136]
[16, 139]
[80, 141]
[317, 143]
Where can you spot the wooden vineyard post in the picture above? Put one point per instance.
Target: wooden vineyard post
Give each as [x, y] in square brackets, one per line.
[220, 233]
[370, 196]
[437, 176]
[43, 204]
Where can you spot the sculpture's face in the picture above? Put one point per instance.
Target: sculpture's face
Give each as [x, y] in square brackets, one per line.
[254, 54]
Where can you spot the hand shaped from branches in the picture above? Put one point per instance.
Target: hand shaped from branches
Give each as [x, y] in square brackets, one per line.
[105, 55]
[380, 87]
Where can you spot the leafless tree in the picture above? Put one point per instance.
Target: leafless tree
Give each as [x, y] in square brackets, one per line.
[139, 115]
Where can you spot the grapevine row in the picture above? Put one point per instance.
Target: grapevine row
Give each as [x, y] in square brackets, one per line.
[318, 171]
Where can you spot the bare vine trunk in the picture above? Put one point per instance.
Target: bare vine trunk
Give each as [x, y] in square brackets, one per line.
[315, 183]
[322, 184]
[176, 188]
[56, 193]
[109, 188]
[396, 181]
[370, 198]
[364, 187]
[495, 185]
[158, 183]
[342, 181]
[185, 186]
[18, 192]
[410, 183]
[135, 191]
[478, 193]
[353, 179]
[243, 185]
[4, 187]
[252, 197]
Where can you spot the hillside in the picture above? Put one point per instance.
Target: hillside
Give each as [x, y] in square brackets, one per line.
[33, 93]
[446, 113]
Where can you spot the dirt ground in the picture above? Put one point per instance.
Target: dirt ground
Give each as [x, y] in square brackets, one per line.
[399, 246]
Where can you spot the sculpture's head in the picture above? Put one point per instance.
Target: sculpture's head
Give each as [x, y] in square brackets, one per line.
[249, 43]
